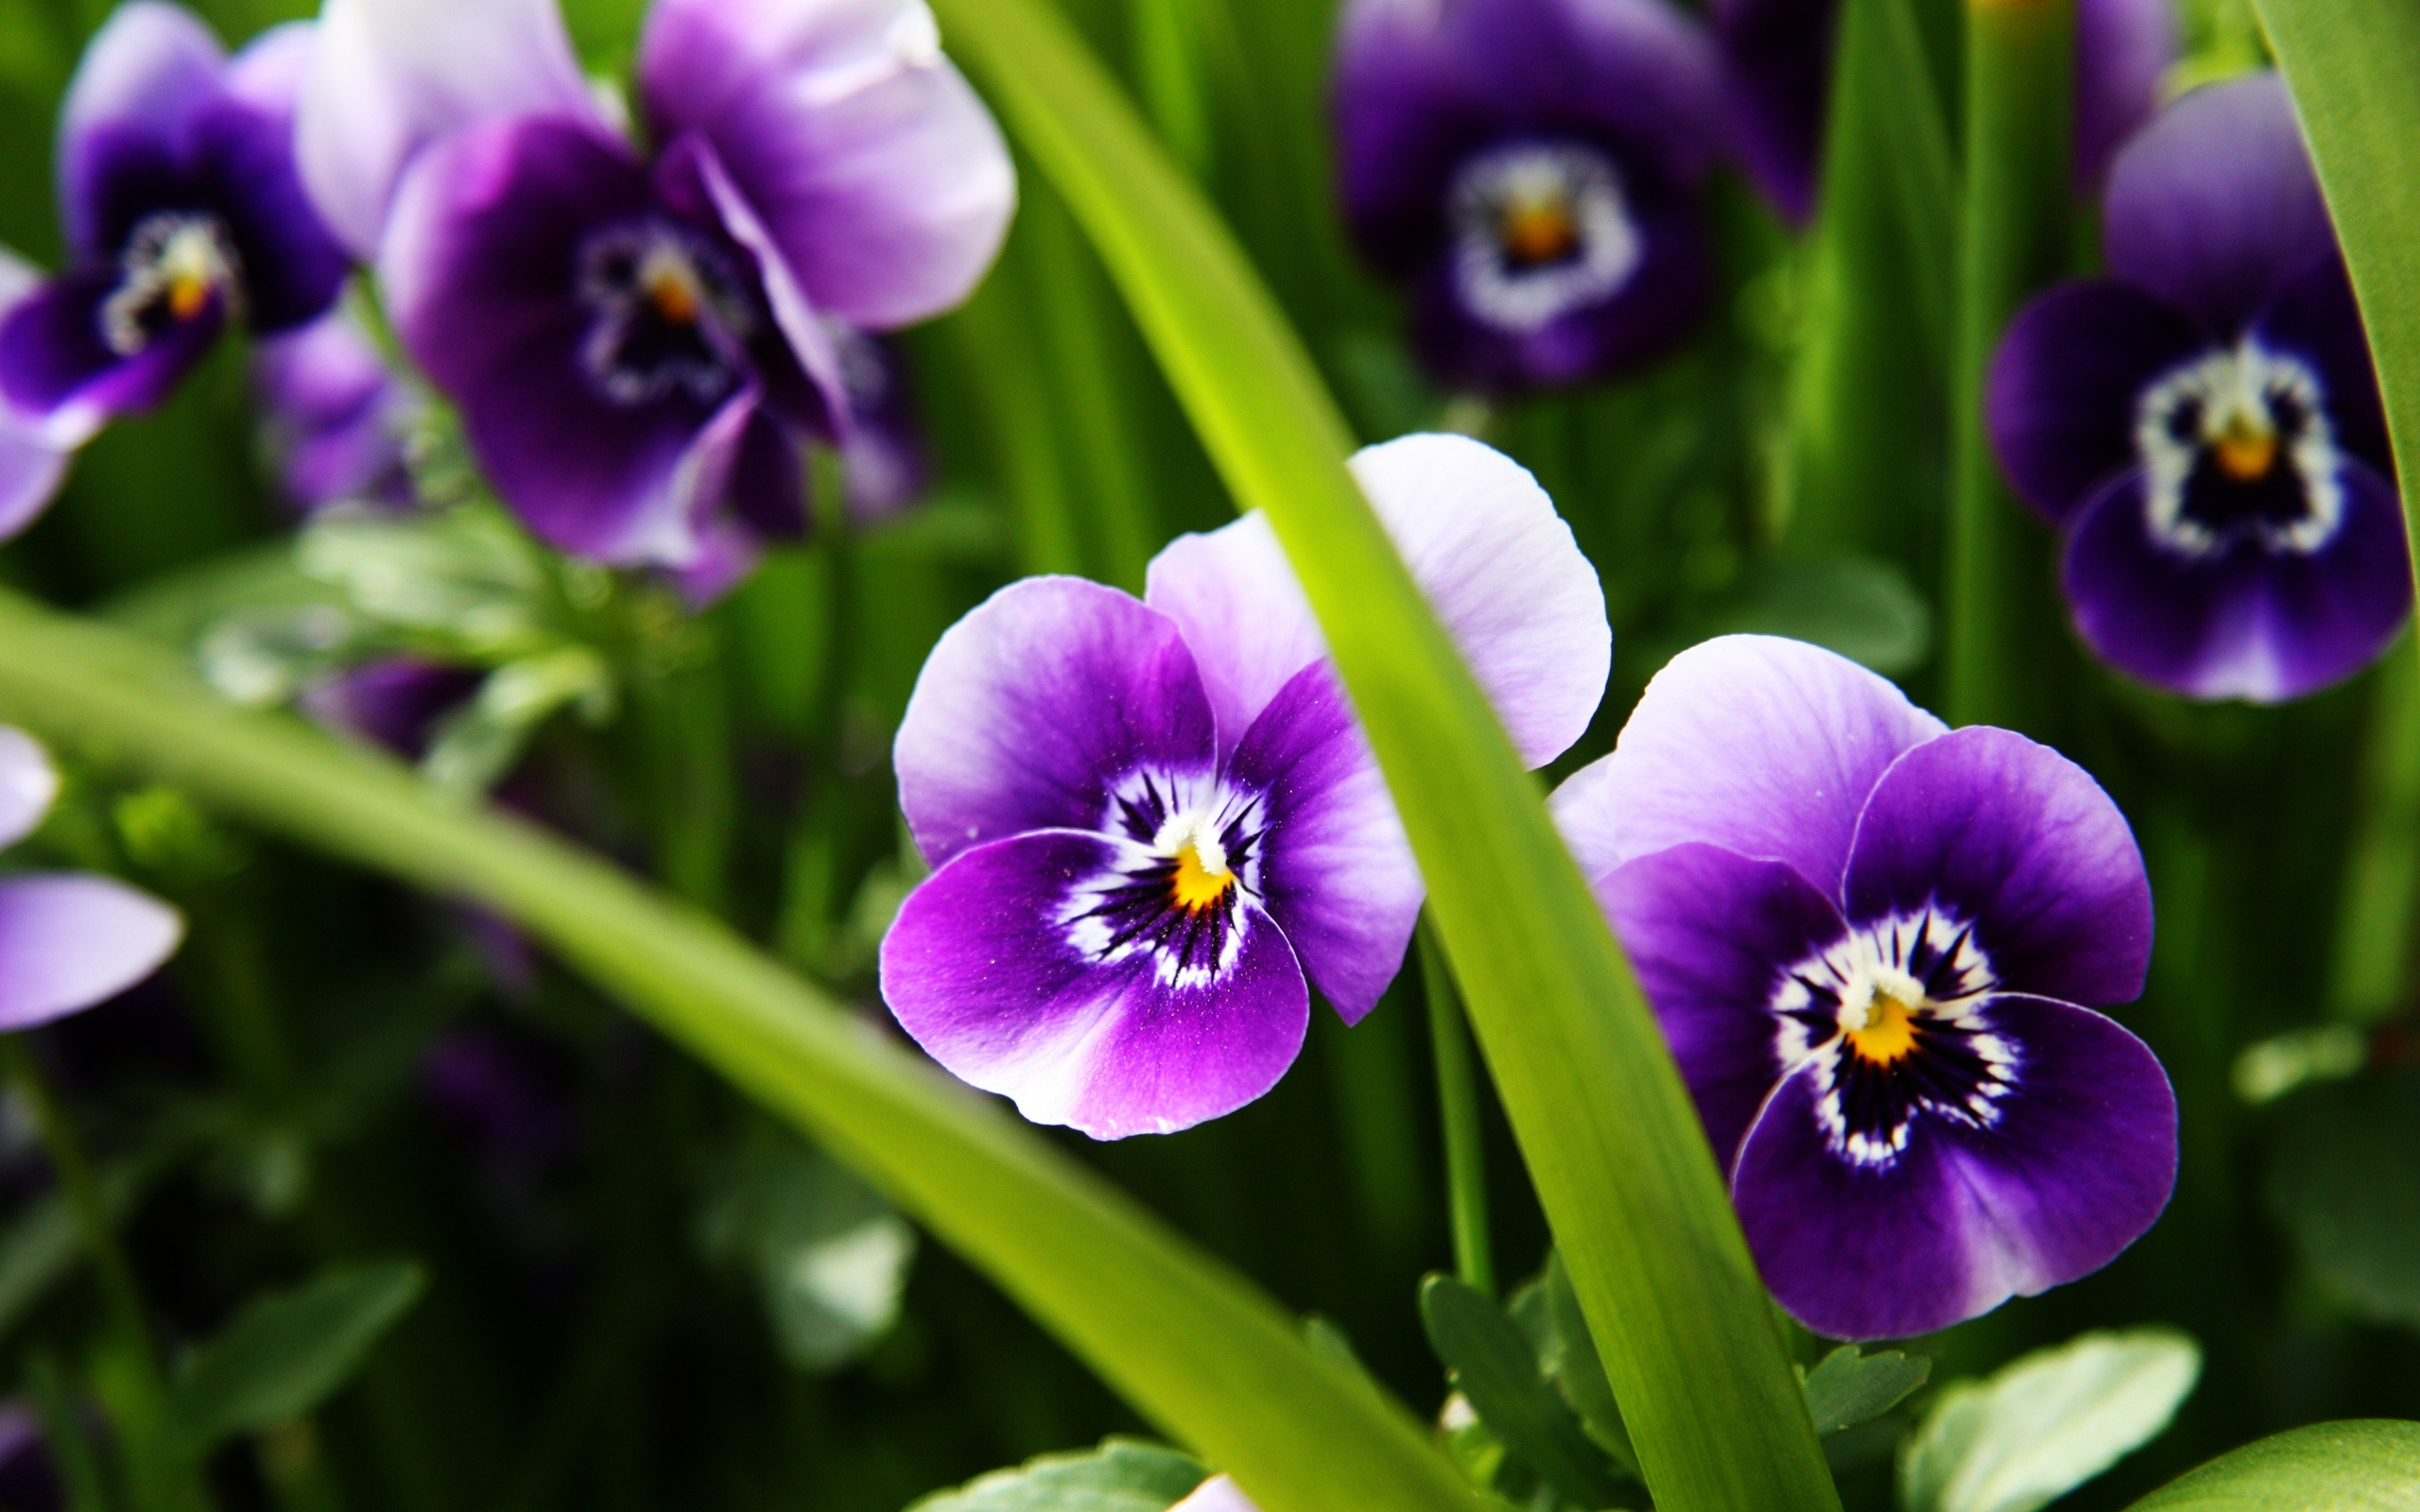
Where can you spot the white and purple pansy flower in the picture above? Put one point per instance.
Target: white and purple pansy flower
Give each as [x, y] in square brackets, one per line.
[1866, 936]
[1531, 169]
[67, 940]
[640, 339]
[1156, 822]
[182, 212]
[2204, 423]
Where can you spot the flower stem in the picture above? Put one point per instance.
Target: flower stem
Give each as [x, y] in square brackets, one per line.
[83, 1193]
[1458, 1101]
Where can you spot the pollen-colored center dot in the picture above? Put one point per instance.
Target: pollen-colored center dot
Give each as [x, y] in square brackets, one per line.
[1200, 884]
[1538, 232]
[1888, 1032]
[675, 296]
[188, 294]
[2246, 451]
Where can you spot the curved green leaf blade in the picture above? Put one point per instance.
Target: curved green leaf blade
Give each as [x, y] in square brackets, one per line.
[1194, 1346]
[2353, 1467]
[1614, 1144]
[1122, 1475]
[288, 1352]
[1847, 1389]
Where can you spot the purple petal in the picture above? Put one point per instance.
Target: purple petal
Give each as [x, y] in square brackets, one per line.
[884, 465]
[980, 970]
[1763, 746]
[2315, 317]
[1033, 707]
[1242, 611]
[31, 470]
[2078, 1162]
[1779, 56]
[142, 76]
[242, 151]
[480, 269]
[68, 941]
[2065, 385]
[2246, 623]
[392, 75]
[56, 367]
[1712, 935]
[28, 783]
[1337, 872]
[880, 174]
[2123, 51]
[2019, 842]
[335, 412]
[397, 702]
[2214, 204]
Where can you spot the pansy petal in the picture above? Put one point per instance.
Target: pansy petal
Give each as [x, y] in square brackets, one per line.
[2314, 317]
[882, 178]
[68, 941]
[57, 365]
[1779, 57]
[1243, 613]
[392, 75]
[984, 968]
[142, 76]
[28, 784]
[2020, 843]
[1763, 746]
[2076, 1162]
[398, 701]
[1337, 872]
[31, 470]
[1640, 74]
[2065, 385]
[1404, 111]
[2244, 622]
[2214, 204]
[1032, 708]
[1711, 934]
[2123, 50]
[1217, 1494]
[243, 149]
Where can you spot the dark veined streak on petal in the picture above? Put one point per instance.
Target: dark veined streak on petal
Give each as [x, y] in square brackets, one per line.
[1061, 969]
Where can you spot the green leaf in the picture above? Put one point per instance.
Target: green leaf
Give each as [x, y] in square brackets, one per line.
[829, 1255]
[2342, 1175]
[1198, 1350]
[2354, 1467]
[1866, 611]
[1846, 1389]
[1607, 1129]
[1496, 1369]
[1122, 1475]
[2039, 1428]
[288, 1352]
[1569, 1356]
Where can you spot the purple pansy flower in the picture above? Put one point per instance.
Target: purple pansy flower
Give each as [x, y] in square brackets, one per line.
[1865, 936]
[639, 341]
[1156, 823]
[67, 940]
[183, 212]
[1531, 168]
[2204, 423]
[337, 417]
[31, 464]
[1779, 57]
[397, 701]
[884, 468]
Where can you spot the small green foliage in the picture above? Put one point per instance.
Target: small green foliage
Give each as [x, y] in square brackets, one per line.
[288, 1351]
[1846, 1389]
[2341, 1175]
[1122, 1475]
[1497, 1370]
[2355, 1467]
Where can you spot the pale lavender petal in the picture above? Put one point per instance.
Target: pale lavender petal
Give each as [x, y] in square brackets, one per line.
[2018, 842]
[880, 174]
[1337, 872]
[1218, 1494]
[68, 941]
[1763, 746]
[145, 74]
[986, 968]
[31, 470]
[1243, 614]
[28, 784]
[392, 75]
[1032, 708]
[335, 413]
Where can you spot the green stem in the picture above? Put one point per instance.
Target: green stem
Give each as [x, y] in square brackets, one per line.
[75, 1175]
[1458, 1103]
[63, 1434]
[2021, 71]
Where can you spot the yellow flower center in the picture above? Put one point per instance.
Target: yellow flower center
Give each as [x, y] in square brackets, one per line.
[2246, 449]
[1200, 882]
[1888, 1032]
[1538, 231]
[672, 286]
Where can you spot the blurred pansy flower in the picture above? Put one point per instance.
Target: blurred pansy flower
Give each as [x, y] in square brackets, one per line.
[1865, 936]
[337, 418]
[884, 468]
[68, 940]
[2204, 423]
[31, 464]
[1157, 824]
[1778, 53]
[182, 211]
[397, 701]
[1531, 170]
[639, 340]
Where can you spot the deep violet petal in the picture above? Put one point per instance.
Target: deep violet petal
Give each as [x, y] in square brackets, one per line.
[2062, 393]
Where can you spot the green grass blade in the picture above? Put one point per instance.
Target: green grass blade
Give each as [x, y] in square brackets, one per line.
[1196, 1348]
[1636, 1201]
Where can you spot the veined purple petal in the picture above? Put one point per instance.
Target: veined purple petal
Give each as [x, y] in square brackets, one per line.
[2076, 1160]
[2123, 50]
[392, 75]
[989, 970]
[1243, 613]
[881, 177]
[2064, 387]
[28, 783]
[1763, 746]
[1032, 708]
[143, 77]
[58, 368]
[2020, 843]
[2244, 622]
[68, 941]
[1336, 873]
[1712, 935]
[2214, 204]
